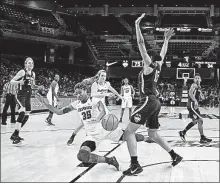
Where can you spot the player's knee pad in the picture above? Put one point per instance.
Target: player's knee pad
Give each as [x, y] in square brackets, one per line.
[26, 117]
[21, 116]
[83, 155]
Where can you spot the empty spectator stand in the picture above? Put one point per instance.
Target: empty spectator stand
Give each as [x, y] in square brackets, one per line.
[186, 47]
[26, 15]
[103, 49]
[103, 25]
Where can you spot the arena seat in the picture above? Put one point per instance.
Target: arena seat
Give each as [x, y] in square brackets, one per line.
[25, 15]
[103, 25]
[192, 48]
[104, 49]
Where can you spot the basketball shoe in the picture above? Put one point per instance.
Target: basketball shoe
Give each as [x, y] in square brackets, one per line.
[133, 169]
[113, 161]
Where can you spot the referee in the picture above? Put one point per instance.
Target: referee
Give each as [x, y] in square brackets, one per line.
[9, 99]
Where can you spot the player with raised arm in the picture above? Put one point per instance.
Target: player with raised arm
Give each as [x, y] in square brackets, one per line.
[147, 111]
[195, 94]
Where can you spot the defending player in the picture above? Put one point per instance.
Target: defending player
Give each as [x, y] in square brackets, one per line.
[25, 79]
[148, 109]
[127, 91]
[52, 97]
[195, 94]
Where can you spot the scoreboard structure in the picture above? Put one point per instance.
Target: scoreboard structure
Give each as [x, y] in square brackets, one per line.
[176, 64]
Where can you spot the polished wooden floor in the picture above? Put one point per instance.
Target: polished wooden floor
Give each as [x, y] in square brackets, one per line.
[45, 157]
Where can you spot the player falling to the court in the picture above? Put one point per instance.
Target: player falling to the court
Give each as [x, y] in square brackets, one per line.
[52, 97]
[195, 94]
[95, 133]
[148, 109]
[127, 91]
[25, 79]
[98, 92]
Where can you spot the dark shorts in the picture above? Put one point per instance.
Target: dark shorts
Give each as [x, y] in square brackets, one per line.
[90, 144]
[146, 112]
[24, 100]
[194, 114]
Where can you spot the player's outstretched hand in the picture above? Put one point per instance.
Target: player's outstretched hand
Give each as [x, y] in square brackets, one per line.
[139, 19]
[169, 33]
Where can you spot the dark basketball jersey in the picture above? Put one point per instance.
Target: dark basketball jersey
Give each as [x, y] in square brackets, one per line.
[196, 94]
[148, 83]
[28, 81]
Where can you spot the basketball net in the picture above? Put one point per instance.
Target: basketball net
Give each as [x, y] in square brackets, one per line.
[185, 81]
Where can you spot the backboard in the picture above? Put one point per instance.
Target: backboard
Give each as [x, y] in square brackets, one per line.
[182, 73]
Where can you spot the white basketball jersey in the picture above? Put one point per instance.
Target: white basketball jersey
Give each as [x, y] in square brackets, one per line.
[127, 90]
[98, 89]
[85, 112]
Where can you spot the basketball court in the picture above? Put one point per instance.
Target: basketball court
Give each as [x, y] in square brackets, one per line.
[45, 157]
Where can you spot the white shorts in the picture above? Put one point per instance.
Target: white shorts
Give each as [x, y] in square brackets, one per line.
[105, 135]
[172, 102]
[127, 102]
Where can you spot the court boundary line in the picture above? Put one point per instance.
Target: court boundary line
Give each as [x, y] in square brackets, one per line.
[38, 131]
[158, 163]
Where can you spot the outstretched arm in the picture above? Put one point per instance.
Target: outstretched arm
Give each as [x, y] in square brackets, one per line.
[113, 90]
[140, 41]
[167, 35]
[55, 110]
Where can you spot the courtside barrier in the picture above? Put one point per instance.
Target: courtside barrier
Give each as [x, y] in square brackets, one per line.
[37, 106]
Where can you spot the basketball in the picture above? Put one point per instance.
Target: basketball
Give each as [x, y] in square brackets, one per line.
[110, 123]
